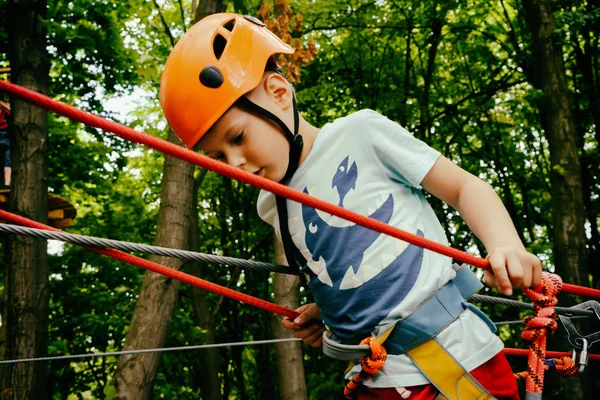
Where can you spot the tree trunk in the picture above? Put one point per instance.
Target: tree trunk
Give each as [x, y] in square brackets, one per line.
[292, 384]
[26, 285]
[208, 7]
[557, 121]
[209, 377]
[548, 75]
[437, 24]
[135, 374]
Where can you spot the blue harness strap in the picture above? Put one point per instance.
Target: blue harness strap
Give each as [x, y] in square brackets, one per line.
[436, 313]
[430, 318]
[414, 336]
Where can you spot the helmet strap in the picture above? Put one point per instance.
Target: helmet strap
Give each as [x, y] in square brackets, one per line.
[296, 145]
[295, 139]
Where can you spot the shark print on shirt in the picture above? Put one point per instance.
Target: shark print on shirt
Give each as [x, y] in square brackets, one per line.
[356, 292]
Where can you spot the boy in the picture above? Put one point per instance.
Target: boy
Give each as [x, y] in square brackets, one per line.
[222, 91]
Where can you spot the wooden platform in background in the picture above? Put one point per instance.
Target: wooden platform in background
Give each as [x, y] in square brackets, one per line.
[60, 212]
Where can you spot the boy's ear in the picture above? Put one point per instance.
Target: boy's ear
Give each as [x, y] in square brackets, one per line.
[277, 88]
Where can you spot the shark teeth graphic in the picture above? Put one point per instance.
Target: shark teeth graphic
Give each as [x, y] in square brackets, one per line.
[369, 272]
[401, 245]
[325, 278]
[366, 272]
[320, 269]
[386, 260]
[306, 254]
[350, 280]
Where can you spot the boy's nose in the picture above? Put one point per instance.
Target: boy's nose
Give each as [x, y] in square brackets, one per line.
[237, 160]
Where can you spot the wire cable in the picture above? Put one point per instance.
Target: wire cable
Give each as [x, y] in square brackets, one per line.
[142, 351]
[143, 248]
[256, 265]
[528, 306]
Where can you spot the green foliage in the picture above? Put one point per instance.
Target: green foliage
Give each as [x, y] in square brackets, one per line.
[470, 99]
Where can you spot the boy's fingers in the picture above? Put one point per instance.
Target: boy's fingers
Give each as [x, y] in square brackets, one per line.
[315, 338]
[307, 312]
[515, 269]
[498, 265]
[489, 278]
[536, 278]
[305, 332]
[527, 267]
[288, 324]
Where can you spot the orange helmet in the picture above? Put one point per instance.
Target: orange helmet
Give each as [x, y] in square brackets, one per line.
[221, 58]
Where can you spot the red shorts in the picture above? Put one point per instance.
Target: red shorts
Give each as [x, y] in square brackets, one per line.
[495, 375]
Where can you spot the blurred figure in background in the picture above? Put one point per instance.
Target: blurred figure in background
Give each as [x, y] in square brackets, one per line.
[4, 141]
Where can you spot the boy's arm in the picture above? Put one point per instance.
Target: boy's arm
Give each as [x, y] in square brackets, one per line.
[484, 213]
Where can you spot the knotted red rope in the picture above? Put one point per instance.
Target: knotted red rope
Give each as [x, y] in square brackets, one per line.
[370, 365]
[537, 326]
[565, 366]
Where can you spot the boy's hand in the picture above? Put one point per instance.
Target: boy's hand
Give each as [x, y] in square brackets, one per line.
[512, 268]
[308, 325]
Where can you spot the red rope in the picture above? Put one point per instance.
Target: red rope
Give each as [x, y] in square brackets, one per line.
[370, 365]
[553, 354]
[246, 177]
[169, 272]
[537, 326]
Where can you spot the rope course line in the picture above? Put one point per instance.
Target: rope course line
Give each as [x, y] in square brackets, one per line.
[520, 322]
[528, 306]
[165, 271]
[507, 351]
[142, 351]
[174, 150]
[259, 265]
[143, 248]
[549, 354]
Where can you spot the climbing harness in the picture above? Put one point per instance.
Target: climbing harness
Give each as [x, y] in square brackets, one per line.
[414, 335]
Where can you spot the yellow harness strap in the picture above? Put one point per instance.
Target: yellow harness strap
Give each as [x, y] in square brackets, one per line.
[446, 374]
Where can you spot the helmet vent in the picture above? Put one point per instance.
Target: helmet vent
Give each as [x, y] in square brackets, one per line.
[219, 45]
[229, 25]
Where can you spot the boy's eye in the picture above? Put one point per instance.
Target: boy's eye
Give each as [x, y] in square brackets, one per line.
[239, 138]
[217, 157]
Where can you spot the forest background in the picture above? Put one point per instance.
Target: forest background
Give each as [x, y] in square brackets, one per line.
[507, 89]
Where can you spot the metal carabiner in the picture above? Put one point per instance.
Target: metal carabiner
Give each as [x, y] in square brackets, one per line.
[577, 341]
[583, 358]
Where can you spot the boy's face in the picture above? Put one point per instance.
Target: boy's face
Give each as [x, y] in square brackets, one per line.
[251, 143]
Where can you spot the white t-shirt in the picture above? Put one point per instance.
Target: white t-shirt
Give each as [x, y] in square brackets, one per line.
[364, 281]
